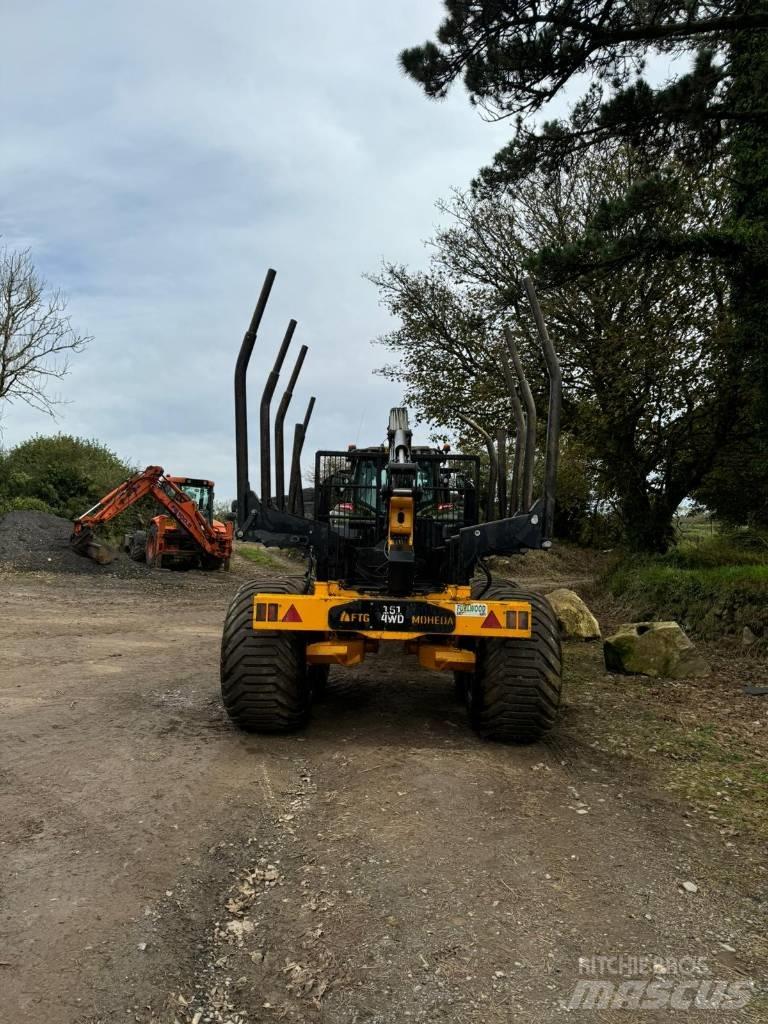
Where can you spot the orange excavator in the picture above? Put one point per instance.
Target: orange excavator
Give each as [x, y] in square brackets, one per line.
[187, 537]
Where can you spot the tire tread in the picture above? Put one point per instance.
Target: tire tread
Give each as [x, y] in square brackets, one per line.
[264, 683]
[517, 685]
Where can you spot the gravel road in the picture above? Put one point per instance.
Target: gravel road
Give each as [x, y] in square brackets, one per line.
[383, 866]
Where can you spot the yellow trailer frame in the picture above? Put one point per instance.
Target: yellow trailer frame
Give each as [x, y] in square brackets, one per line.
[437, 627]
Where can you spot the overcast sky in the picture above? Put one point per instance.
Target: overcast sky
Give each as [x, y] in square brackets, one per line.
[159, 157]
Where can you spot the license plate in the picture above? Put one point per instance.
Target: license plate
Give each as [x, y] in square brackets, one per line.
[392, 616]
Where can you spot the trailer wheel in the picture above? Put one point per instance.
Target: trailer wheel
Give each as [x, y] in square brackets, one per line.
[514, 693]
[264, 681]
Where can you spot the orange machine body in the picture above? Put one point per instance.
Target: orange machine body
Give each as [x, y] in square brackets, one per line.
[185, 533]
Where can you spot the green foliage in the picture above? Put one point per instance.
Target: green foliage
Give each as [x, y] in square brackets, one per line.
[67, 475]
[514, 56]
[736, 489]
[259, 556]
[722, 551]
[583, 513]
[22, 504]
[716, 586]
[710, 116]
[643, 356]
[660, 587]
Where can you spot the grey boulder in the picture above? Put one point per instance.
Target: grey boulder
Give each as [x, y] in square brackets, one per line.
[575, 620]
[657, 649]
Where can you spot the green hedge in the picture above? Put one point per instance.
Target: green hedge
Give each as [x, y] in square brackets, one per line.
[712, 601]
[23, 505]
[65, 476]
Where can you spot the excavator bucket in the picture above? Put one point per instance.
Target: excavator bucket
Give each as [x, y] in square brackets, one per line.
[84, 543]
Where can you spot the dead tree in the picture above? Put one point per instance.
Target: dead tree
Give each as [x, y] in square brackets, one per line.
[36, 336]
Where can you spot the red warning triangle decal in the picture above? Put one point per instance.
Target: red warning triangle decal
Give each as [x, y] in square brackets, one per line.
[491, 622]
[291, 615]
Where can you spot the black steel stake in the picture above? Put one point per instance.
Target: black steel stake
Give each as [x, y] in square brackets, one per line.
[530, 429]
[519, 415]
[296, 492]
[266, 398]
[282, 409]
[241, 404]
[553, 414]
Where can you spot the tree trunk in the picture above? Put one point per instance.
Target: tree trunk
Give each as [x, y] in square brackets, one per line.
[650, 531]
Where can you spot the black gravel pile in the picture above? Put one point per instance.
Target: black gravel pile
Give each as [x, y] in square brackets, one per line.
[24, 532]
[38, 541]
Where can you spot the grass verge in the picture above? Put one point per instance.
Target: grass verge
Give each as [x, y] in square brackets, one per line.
[262, 557]
[713, 588]
[701, 740]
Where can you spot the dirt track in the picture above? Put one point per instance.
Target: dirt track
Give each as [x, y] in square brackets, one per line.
[384, 866]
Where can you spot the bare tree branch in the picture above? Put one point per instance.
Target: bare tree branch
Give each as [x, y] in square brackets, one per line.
[36, 336]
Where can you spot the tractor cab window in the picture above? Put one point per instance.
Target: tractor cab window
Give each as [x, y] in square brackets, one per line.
[366, 482]
[202, 497]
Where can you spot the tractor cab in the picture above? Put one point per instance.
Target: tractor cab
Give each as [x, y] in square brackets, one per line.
[199, 491]
[354, 497]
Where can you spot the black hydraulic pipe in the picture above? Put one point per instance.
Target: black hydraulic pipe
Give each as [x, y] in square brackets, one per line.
[266, 398]
[282, 409]
[296, 491]
[553, 415]
[519, 415]
[308, 413]
[501, 450]
[530, 429]
[493, 465]
[241, 405]
[304, 429]
[294, 482]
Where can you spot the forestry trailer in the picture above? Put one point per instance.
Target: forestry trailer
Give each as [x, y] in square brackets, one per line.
[393, 547]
